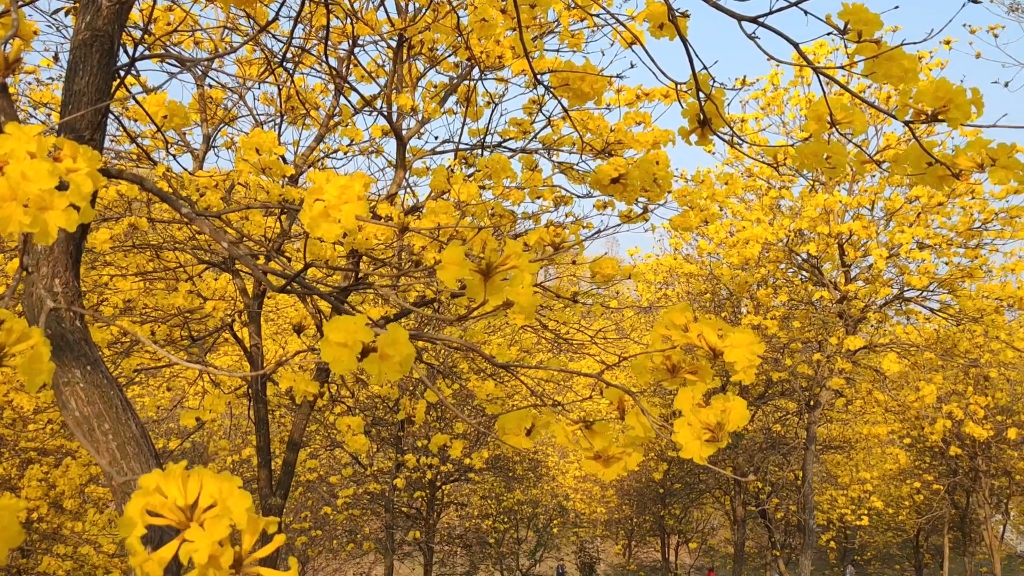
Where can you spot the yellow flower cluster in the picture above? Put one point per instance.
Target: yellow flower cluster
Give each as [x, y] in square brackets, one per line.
[46, 184]
[260, 152]
[502, 274]
[630, 180]
[165, 113]
[679, 330]
[334, 203]
[11, 532]
[579, 84]
[207, 509]
[345, 337]
[24, 349]
[703, 427]
[12, 60]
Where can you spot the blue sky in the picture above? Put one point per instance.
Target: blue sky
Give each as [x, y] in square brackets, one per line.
[719, 40]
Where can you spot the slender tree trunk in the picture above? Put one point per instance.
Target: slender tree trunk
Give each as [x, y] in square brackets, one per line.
[966, 538]
[945, 546]
[627, 549]
[390, 550]
[850, 535]
[919, 547]
[258, 394]
[738, 507]
[428, 556]
[775, 546]
[677, 548]
[90, 399]
[289, 461]
[993, 542]
[272, 492]
[432, 516]
[665, 550]
[808, 529]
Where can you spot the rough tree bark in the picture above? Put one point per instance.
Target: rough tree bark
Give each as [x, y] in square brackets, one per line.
[850, 538]
[808, 528]
[90, 399]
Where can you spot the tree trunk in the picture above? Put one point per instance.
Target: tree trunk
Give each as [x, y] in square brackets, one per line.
[919, 547]
[90, 399]
[738, 507]
[773, 541]
[665, 550]
[945, 546]
[808, 529]
[428, 556]
[292, 449]
[850, 535]
[966, 539]
[677, 548]
[431, 515]
[91, 402]
[390, 550]
[993, 542]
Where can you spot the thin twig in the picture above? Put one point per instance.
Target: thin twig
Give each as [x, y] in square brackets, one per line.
[176, 360]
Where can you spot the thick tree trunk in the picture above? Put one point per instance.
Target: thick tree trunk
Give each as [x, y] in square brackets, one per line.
[738, 507]
[90, 400]
[808, 529]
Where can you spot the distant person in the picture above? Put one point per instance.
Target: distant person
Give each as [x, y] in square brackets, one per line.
[560, 569]
[711, 571]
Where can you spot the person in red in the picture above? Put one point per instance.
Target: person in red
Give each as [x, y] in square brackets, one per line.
[711, 571]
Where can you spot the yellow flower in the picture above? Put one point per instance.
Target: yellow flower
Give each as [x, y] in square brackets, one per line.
[604, 269]
[861, 22]
[344, 337]
[206, 508]
[394, 356]
[11, 532]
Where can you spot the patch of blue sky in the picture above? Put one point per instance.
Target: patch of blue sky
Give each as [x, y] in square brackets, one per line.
[731, 55]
